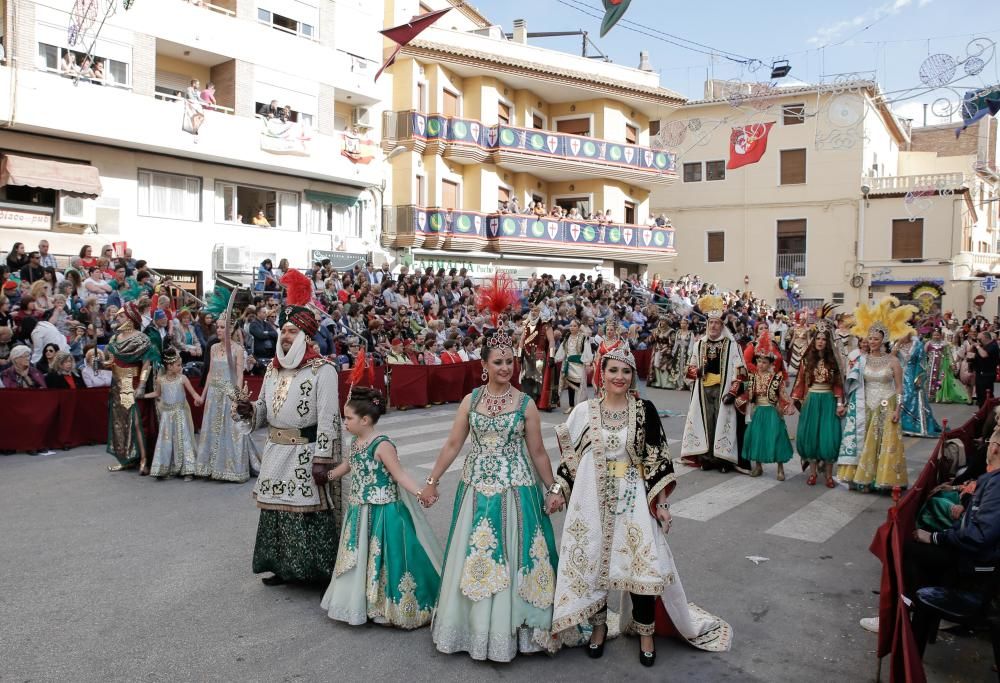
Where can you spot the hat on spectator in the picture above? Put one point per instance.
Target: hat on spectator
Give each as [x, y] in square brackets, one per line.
[295, 311]
[159, 315]
[396, 341]
[10, 284]
[19, 351]
[133, 315]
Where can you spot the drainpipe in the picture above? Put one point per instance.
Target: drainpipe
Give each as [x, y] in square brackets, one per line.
[859, 249]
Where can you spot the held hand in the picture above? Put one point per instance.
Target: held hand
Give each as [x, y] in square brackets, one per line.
[244, 409]
[895, 416]
[664, 518]
[320, 475]
[198, 401]
[922, 536]
[428, 495]
[554, 503]
[841, 411]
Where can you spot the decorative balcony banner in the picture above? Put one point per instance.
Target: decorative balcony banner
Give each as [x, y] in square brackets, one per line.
[358, 150]
[285, 137]
[449, 222]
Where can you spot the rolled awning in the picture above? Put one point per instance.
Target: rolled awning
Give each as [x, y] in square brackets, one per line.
[330, 198]
[82, 180]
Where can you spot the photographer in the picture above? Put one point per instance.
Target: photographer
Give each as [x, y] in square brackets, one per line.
[984, 357]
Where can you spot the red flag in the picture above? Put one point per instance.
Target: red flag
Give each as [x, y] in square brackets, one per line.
[404, 33]
[747, 144]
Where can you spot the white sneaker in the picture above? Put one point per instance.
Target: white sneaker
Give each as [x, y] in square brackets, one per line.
[870, 624]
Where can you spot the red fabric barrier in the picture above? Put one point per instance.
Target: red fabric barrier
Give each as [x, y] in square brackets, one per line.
[446, 383]
[408, 386]
[642, 361]
[895, 637]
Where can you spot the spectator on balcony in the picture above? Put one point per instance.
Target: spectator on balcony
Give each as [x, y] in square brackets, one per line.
[539, 210]
[21, 374]
[94, 372]
[193, 92]
[260, 219]
[62, 373]
[97, 73]
[208, 94]
[514, 205]
[68, 65]
[86, 68]
[661, 221]
[270, 111]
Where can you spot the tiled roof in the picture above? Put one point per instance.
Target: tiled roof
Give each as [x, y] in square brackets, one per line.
[504, 60]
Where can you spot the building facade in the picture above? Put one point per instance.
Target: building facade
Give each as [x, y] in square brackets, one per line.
[845, 199]
[479, 121]
[184, 201]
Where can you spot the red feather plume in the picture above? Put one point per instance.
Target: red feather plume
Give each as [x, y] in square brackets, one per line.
[361, 365]
[497, 295]
[298, 288]
[764, 344]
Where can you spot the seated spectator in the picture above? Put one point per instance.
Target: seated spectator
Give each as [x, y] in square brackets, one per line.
[125, 288]
[63, 374]
[21, 374]
[33, 271]
[48, 356]
[397, 355]
[449, 355]
[94, 372]
[430, 356]
[6, 342]
[184, 337]
[17, 258]
[87, 260]
[96, 286]
[40, 292]
[42, 333]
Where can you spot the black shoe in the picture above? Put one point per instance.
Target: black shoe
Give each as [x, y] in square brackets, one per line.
[596, 650]
[272, 580]
[647, 658]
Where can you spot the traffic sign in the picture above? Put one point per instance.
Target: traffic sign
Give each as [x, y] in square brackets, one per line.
[979, 300]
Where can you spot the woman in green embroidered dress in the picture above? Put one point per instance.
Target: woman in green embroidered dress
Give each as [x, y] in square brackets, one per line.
[398, 577]
[499, 568]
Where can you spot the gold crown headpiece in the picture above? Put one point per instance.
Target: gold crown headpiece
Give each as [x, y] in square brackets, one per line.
[712, 306]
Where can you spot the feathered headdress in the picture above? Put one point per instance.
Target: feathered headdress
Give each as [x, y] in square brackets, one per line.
[712, 306]
[764, 348]
[886, 316]
[495, 297]
[217, 301]
[362, 373]
[298, 293]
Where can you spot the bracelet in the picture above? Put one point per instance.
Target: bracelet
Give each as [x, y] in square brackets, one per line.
[555, 489]
[899, 400]
[663, 506]
[431, 481]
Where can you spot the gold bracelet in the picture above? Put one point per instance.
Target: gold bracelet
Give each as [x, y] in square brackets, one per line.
[431, 481]
[555, 489]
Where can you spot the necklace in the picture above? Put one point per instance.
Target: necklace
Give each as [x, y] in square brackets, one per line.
[495, 404]
[877, 361]
[358, 446]
[614, 415]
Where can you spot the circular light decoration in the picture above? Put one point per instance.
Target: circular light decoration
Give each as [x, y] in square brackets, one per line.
[938, 70]
[974, 66]
[673, 133]
[845, 111]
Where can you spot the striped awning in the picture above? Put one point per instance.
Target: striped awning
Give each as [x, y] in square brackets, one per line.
[82, 180]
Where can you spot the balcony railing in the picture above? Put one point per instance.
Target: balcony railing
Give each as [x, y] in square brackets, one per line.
[925, 182]
[790, 263]
[479, 142]
[413, 226]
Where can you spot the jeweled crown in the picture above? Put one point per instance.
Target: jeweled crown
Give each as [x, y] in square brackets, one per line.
[621, 354]
[500, 340]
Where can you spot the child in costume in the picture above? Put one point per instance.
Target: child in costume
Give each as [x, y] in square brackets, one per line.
[389, 563]
[175, 443]
[766, 439]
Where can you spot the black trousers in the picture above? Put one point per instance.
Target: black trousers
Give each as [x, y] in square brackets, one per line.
[643, 611]
[928, 565]
[984, 386]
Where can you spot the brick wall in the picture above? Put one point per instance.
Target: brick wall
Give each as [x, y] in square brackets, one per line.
[143, 64]
[19, 40]
[224, 77]
[941, 139]
[244, 88]
[327, 23]
[324, 124]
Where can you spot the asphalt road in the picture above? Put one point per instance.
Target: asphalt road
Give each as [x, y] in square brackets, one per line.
[112, 577]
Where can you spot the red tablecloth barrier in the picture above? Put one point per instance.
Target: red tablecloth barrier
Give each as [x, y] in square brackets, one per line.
[895, 637]
[421, 385]
[642, 360]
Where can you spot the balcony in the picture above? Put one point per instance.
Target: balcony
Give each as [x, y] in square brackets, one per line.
[434, 228]
[976, 264]
[925, 183]
[790, 263]
[546, 154]
[53, 105]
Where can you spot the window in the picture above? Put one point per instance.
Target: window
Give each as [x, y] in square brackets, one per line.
[422, 96]
[166, 195]
[630, 213]
[793, 114]
[791, 247]
[50, 59]
[240, 203]
[654, 127]
[581, 204]
[296, 116]
[692, 172]
[793, 166]
[574, 126]
[907, 238]
[715, 170]
[450, 103]
[631, 134]
[837, 297]
[338, 219]
[503, 113]
[449, 195]
[421, 198]
[285, 24]
[537, 122]
[716, 247]
[503, 194]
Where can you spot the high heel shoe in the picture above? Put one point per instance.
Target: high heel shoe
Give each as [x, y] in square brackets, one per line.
[830, 483]
[811, 481]
[646, 658]
[596, 650]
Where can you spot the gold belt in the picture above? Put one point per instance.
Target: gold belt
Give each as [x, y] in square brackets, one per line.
[821, 388]
[288, 436]
[619, 468]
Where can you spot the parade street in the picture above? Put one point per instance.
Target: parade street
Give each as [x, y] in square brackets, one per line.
[117, 577]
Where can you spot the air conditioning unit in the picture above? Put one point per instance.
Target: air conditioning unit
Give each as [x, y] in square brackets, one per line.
[76, 210]
[361, 117]
[231, 259]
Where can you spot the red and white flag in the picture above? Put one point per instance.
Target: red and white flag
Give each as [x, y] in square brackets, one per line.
[747, 144]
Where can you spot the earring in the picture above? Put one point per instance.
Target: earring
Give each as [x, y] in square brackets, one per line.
[486, 375]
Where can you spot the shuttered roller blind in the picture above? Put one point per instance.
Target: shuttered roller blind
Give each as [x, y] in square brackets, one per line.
[450, 103]
[449, 195]
[574, 126]
[793, 166]
[716, 247]
[907, 238]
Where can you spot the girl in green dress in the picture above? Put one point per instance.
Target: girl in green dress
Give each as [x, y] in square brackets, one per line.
[819, 395]
[397, 578]
[766, 439]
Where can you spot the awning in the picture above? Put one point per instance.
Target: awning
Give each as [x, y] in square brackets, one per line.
[339, 260]
[77, 179]
[329, 198]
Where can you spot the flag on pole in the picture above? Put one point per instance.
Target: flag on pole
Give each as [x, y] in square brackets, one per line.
[614, 10]
[747, 144]
[978, 103]
[404, 33]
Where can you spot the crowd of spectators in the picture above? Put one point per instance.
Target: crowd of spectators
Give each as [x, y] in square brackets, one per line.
[559, 213]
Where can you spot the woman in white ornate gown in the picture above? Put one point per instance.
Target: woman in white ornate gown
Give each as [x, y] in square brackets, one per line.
[616, 473]
[499, 568]
[223, 452]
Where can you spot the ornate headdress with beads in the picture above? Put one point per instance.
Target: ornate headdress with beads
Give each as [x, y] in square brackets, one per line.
[495, 297]
[887, 317]
[824, 321]
[624, 355]
[764, 348]
[712, 306]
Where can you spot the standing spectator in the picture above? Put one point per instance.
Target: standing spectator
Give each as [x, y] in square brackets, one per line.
[21, 374]
[42, 333]
[985, 356]
[47, 260]
[185, 337]
[96, 286]
[265, 336]
[208, 94]
[281, 269]
[62, 373]
[32, 271]
[193, 92]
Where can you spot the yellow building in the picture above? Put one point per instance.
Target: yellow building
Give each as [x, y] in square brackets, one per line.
[846, 197]
[480, 121]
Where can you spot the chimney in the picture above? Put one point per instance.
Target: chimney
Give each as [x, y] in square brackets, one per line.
[521, 31]
[644, 64]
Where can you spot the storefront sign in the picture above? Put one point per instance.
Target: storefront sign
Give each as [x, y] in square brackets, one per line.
[10, 218]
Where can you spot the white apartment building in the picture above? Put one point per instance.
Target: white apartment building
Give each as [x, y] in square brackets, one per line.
[106, 160]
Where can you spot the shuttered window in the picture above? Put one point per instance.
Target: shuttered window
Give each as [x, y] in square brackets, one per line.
[449, 195]
[631, 134]
[716, 247]
[450, 103]
[574, 126]
[692, 172]
[503, 194]
[715, 170]
[503, 113]
[793, 114]
[793, 166]
[907, 238]
[654, 127]
[537, 122]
